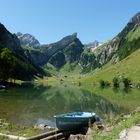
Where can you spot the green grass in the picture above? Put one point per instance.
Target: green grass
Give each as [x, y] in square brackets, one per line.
[133, 34]
[118, 126]
[12, 129]
[69, 69]
[129, 67]
[130, 44]
[50, 69]
[3, 138]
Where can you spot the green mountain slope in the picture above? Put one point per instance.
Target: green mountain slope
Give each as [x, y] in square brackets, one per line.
[131, 43]
[13, 61]
[129, 67]
[122, 45]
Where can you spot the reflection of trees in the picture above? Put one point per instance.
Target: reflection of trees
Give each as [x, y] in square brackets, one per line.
[92, 102]
[28, 104]
[64, 101]
[22, 104]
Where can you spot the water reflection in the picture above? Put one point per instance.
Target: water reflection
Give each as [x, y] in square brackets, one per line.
[122, 90]
[26, 105]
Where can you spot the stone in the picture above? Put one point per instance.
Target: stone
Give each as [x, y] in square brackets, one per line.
[132, 134]
[123, 135]
[78, 137]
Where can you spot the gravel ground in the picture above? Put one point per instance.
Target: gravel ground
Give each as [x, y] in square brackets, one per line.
[132, 134]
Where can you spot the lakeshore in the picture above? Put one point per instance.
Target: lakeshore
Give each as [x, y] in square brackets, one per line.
[33, 100]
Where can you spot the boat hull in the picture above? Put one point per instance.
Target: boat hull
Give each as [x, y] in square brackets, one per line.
[71, 123]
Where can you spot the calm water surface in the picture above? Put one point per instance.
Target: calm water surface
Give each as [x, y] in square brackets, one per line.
[25, 106]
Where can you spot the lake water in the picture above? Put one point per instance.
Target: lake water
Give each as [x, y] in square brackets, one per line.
[25, 106]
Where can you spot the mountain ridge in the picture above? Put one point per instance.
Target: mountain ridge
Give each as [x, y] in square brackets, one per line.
[110, 51]
[70, 49]
[28, 40]
[45, 52]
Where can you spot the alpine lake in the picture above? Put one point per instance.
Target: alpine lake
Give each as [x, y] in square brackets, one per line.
[31, 104]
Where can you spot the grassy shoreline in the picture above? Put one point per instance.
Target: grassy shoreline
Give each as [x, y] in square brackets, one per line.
[8, 128]
[112, 130]
[90, 82]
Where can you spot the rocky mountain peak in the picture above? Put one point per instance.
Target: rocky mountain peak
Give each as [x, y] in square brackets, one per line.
[28, 40]
[8, 40]
[93, 45]
[74, 35]
[135, 19]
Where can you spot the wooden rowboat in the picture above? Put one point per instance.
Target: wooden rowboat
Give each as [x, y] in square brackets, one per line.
[2, 87]
[74, 120]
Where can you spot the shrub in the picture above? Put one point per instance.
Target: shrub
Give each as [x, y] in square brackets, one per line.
[138, 85]
[115, 82]
[79, 83]
[126, 82]
[104, 83]
[121, 81]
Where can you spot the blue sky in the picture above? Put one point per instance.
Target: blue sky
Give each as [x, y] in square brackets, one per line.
[50, 20]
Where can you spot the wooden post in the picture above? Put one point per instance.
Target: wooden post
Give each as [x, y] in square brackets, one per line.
[58, 136]
[54, 137]
[44, 135]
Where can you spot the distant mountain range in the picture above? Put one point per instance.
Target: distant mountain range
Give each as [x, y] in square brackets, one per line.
[68, 49]
[93, 45]
[28, 51]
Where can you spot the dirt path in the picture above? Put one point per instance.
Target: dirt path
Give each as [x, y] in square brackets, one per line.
[12, 137]
[132, 134]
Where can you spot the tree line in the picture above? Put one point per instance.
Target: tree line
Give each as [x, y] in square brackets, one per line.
[120, 81]
[13, 66]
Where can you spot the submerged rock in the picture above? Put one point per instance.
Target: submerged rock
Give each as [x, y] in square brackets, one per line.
[78, 137]
[43, 127]
[44, 124]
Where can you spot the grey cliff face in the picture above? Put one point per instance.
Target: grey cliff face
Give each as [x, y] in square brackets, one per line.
[35, 56]
[58, 59]
[9, 40]
[69, 46]
[60, 45]
[136, 19]
[109, 50]
[28, 40]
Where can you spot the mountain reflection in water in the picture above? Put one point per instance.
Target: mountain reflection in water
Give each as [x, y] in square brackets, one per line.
[27, 105]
